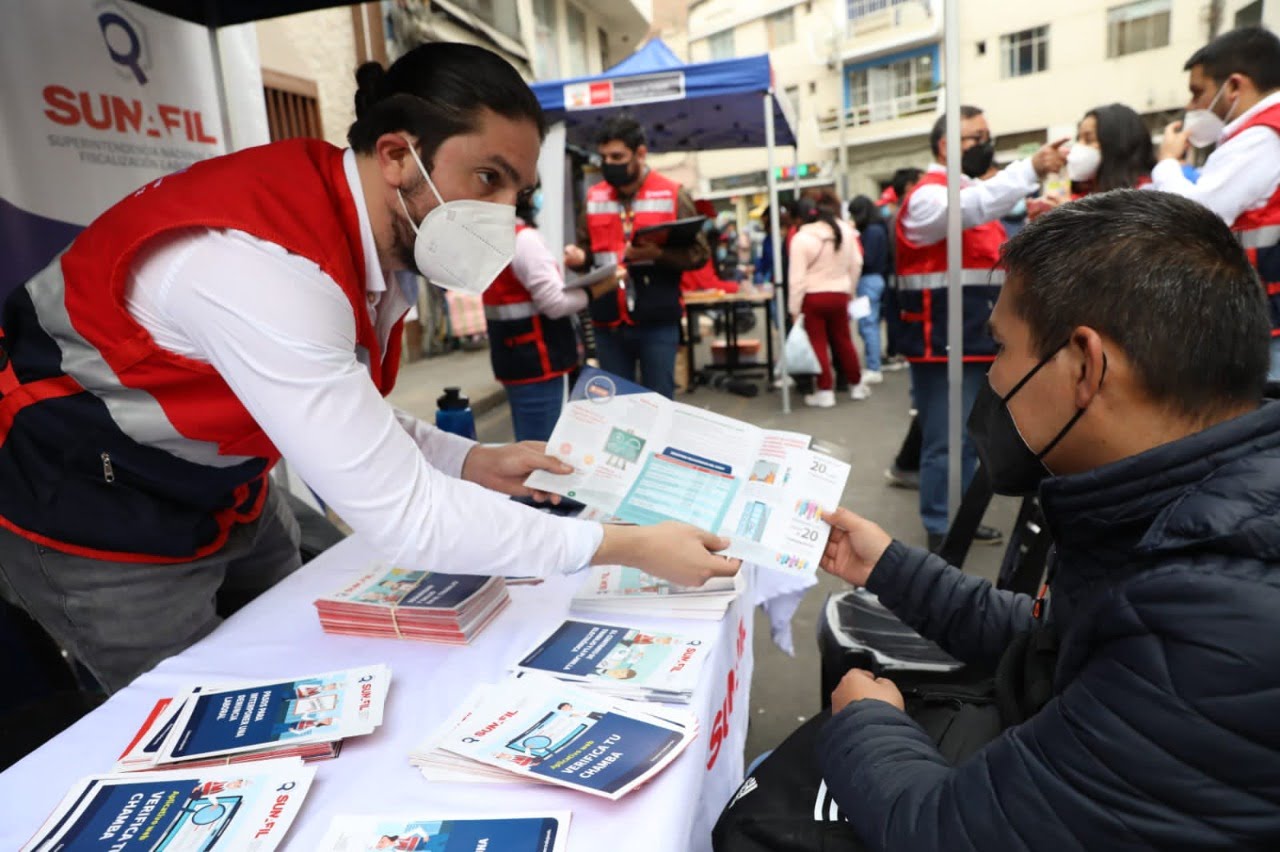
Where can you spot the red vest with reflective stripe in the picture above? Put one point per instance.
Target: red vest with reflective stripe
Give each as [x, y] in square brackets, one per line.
[142, 433]
[1259, 230]
[656, 201]
[524, 346]
[922, 288]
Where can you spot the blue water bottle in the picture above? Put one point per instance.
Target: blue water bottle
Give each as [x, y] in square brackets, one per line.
[454, 414]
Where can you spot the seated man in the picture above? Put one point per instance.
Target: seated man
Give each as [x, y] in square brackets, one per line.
[1133, 351]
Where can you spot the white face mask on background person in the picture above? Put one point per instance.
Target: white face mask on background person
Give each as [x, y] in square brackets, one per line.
[1083, 162]
[1203, 126]
[463, 244]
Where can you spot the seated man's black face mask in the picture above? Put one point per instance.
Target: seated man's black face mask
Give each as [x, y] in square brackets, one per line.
[1013, 468]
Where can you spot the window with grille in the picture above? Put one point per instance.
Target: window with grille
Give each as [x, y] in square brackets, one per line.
[1025, 52]
[293, 106]
[1135, 27]
[781, 27]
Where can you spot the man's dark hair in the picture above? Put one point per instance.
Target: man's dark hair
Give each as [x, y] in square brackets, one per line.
[940, 126]
[435, 91]
[1251, 51]
[626, 130]
[903, 178]
[1125, 142]
[1161, 276]
[864, 213]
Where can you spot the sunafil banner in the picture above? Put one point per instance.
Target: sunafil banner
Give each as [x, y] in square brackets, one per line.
[96, 100]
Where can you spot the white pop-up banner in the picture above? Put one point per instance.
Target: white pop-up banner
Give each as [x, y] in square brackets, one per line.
[97, 99]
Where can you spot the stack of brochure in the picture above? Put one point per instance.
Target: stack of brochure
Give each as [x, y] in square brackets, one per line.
[306, 717]
[623, 661]
[622, 590]
[424, 605]
[540, 729]
[246, 808]
[495, 832]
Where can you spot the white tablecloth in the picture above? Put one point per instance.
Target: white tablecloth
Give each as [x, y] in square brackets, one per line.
[279, 635]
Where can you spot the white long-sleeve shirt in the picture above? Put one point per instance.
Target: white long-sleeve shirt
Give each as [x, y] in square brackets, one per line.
[981, 201]
[1240, 175]
[538, 271]
[281, 334]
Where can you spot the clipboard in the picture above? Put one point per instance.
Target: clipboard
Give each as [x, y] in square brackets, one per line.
[678, 234]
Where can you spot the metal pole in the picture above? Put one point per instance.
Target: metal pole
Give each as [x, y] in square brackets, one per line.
[224, 111]
[842, 158]
[780, 306]
[955, 261]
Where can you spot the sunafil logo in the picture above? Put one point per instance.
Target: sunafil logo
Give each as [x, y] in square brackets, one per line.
[125, 42]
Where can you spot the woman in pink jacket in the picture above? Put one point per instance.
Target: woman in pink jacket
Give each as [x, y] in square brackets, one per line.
[826, 262]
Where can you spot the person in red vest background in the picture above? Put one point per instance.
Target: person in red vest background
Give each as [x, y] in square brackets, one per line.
[533, 341]
[921, 258]
[250, 308]
[1235, 104]
[638, 325]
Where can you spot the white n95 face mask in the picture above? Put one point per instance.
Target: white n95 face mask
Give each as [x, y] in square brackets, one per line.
[1083, 162]
[1203, 126]
[464, 244]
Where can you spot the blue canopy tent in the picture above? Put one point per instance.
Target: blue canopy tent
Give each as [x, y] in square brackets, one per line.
[703, 106]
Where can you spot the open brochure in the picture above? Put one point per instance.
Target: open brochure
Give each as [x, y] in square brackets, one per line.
[623, 590]
[646, 665]
[246, 808]
[493, 832]
[535, 727]
[303, 716]
[424, 605]
[644, 459]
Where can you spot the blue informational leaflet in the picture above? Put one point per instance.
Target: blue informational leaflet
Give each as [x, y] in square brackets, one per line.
[245, 808]
[315, 708]
[551, 731]
[545, 832]
[622, 660]
[643, 459]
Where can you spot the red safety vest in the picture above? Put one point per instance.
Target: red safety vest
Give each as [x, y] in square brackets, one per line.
[112, 447]
[524, 346]
[611, 223]
[1259, 230]
[922, 288]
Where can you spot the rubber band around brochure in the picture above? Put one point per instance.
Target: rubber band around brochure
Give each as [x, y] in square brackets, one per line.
[395, 625]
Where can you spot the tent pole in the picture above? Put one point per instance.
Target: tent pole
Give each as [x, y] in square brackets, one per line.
[224, 111]
[955, 263]
[779, 304]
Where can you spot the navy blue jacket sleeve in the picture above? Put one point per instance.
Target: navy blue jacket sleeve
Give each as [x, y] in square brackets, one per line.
[971, 619]
[1165, 740]
[875, 251]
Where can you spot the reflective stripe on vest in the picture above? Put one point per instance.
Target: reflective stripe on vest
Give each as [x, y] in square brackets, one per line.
[604, 258]
[597, 207]
[938, 280]
[135, 411]
[515, 311]
[654, 205]
[1256, 238]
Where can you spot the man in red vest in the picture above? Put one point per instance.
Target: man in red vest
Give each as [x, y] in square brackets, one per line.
[1235, 104]
[250, 308]
[921, 257]
[638, 324]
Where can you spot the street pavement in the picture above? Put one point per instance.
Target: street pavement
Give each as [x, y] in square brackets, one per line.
[785, 690]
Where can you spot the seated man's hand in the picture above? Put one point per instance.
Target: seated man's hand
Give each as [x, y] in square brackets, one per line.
[679, 553]
[505, 468]
[854, 548]
[643, 252]
[858, 684]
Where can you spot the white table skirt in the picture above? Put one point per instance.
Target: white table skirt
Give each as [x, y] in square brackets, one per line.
[279, 635]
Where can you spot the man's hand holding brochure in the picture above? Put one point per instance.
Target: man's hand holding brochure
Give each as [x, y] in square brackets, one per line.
[646, 460]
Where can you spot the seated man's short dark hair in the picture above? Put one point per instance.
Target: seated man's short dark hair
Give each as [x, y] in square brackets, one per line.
[626, 130]
[1161, 276]
[940, 126]
[1251, 51]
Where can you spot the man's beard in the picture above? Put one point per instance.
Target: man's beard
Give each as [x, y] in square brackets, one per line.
[402, 231]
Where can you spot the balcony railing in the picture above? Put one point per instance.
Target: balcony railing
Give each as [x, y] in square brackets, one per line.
[869, 16]
[859, 115]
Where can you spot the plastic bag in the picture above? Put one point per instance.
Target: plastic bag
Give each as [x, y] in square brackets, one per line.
[801, 359]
